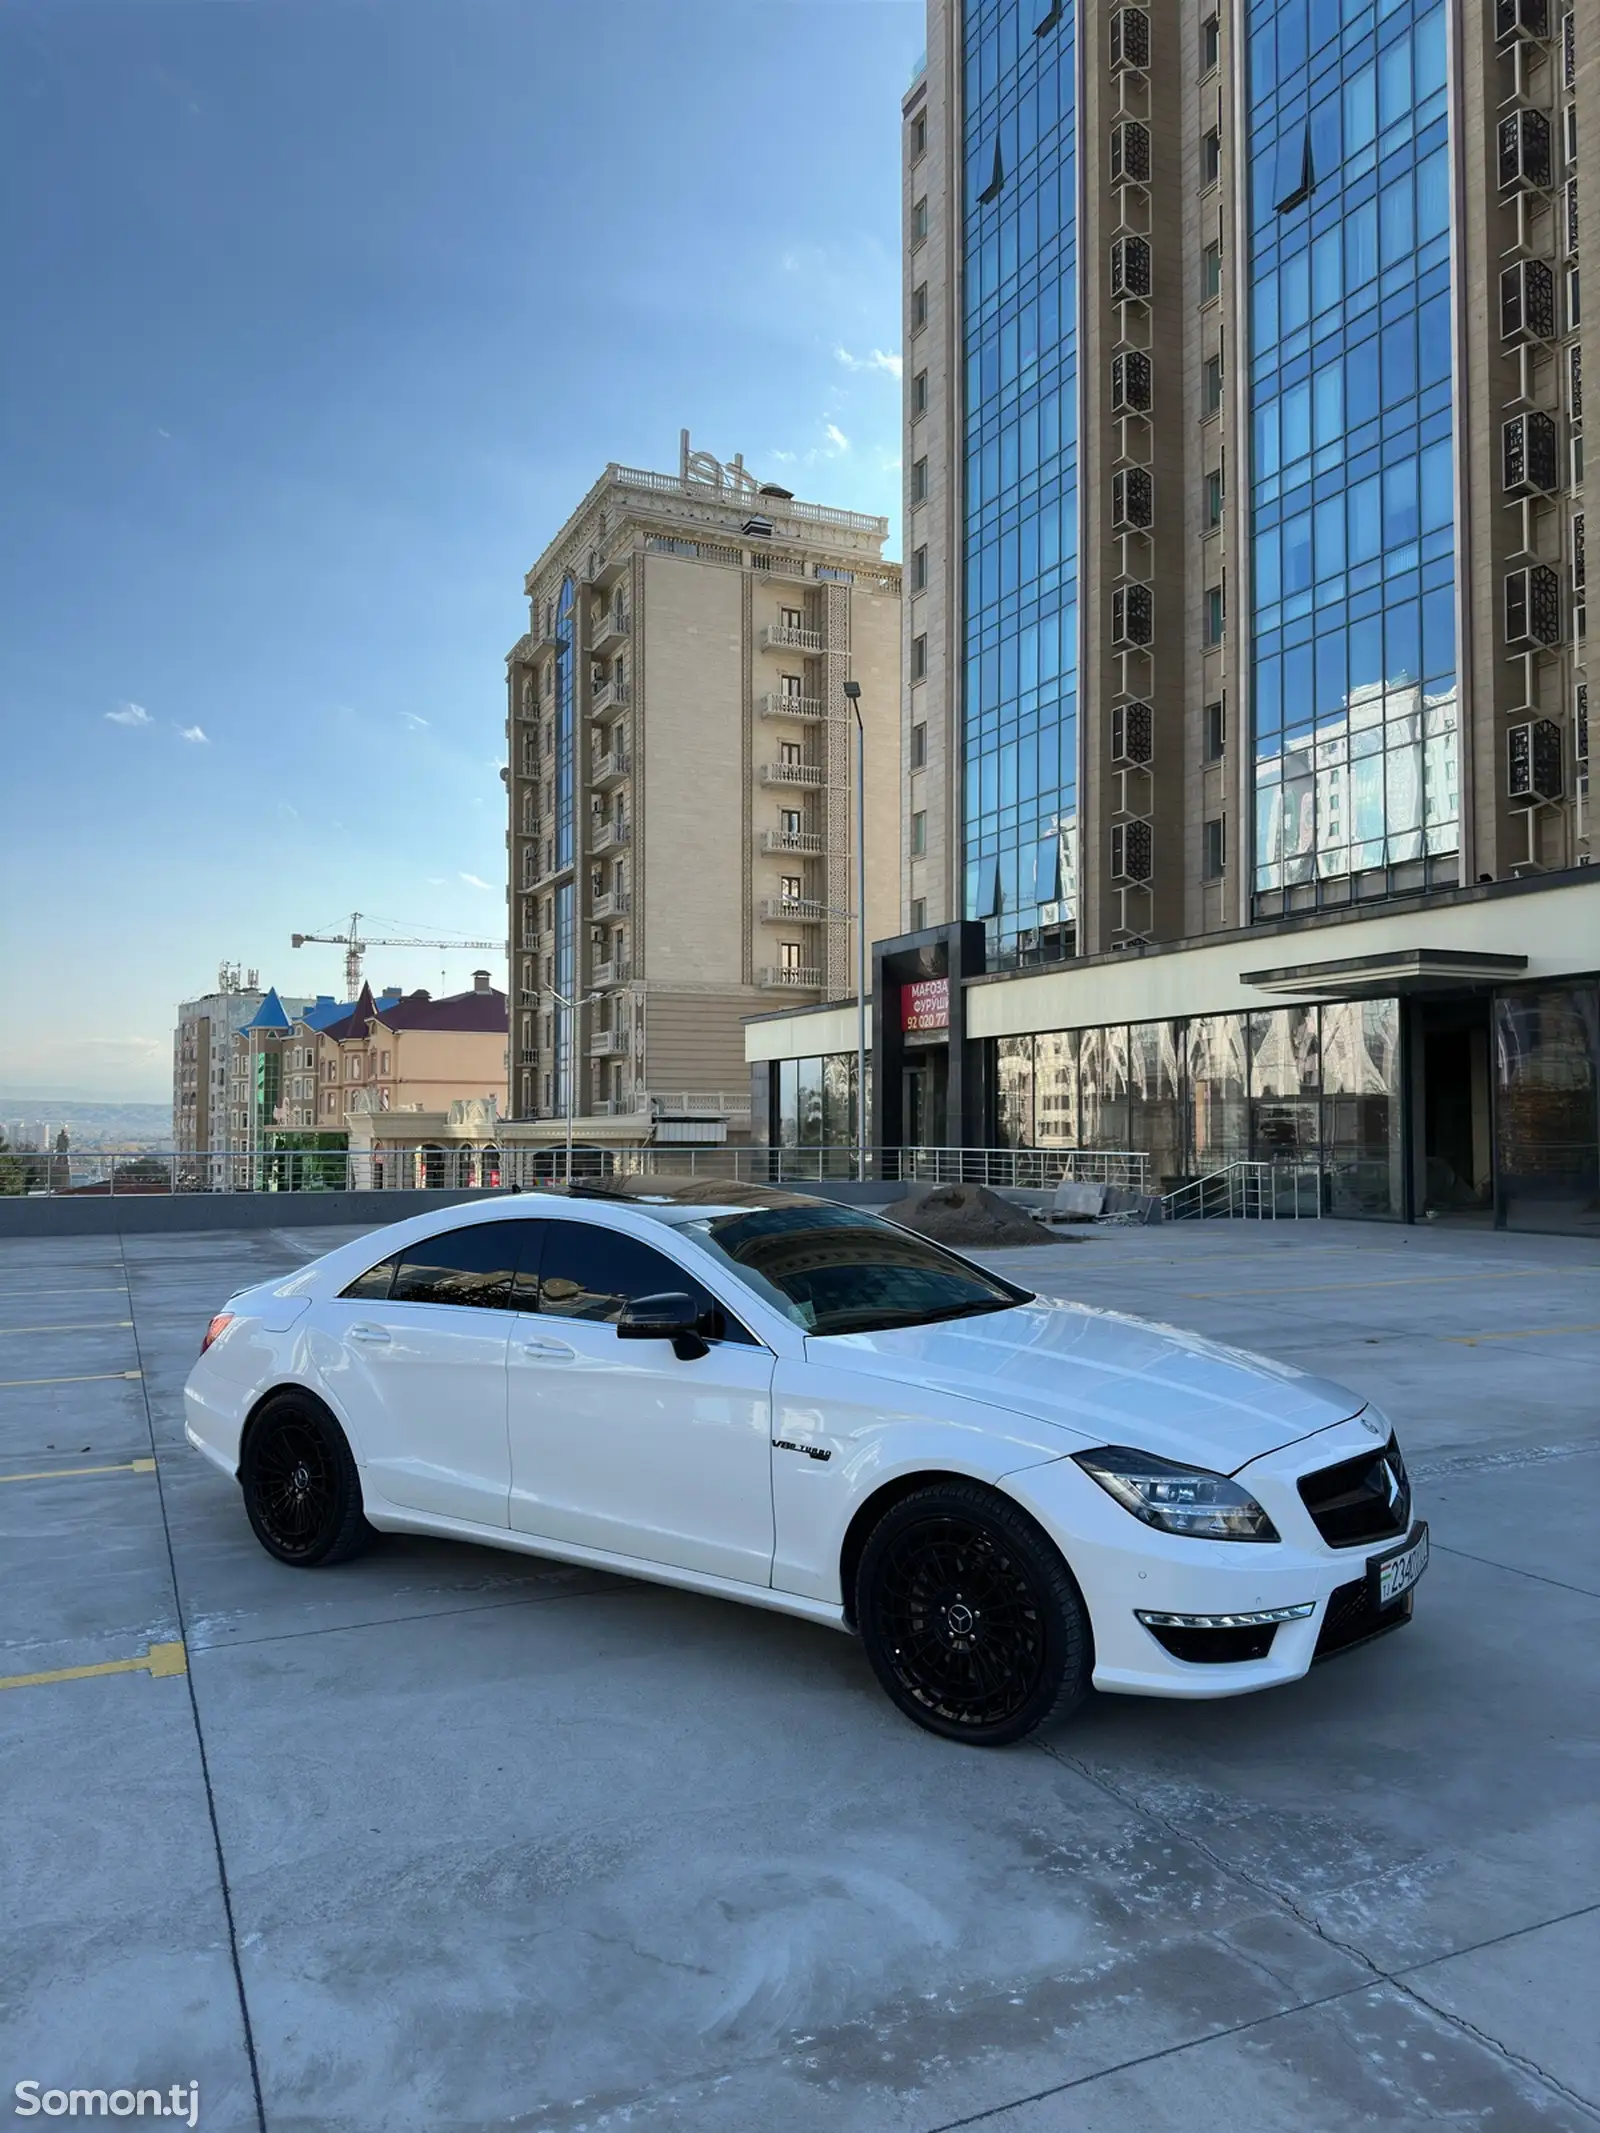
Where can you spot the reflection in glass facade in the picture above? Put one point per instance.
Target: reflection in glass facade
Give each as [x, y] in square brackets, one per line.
[1353, 624]
[815, 1108]
[1547, 1131]
[1314, 1085]
[1021, 476]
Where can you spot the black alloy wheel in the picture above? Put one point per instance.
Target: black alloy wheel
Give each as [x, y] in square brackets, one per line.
[971, 1620]
[301, 1489]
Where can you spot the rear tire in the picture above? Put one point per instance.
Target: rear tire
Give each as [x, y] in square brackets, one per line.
[302, 1493]
[973, 1623]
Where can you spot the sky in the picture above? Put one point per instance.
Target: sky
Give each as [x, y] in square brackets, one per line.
[320, 319]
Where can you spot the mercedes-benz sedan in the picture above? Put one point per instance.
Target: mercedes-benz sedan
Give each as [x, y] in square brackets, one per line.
[800, 1405]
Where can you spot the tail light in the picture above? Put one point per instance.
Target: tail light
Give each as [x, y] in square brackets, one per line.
[218, 1326]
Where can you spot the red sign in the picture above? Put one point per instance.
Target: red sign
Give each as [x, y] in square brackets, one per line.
[925, 1005]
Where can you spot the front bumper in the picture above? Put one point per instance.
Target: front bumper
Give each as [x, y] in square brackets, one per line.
[1126, 1569]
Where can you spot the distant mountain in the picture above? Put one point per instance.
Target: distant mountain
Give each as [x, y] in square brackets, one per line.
[89, 1125]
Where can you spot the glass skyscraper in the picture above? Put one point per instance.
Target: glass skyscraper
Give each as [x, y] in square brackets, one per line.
[1020, 513]
[1352, 623]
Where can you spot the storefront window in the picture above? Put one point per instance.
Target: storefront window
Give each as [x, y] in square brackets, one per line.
[1361, 1107]
[808, 1129]
[1284, 1083]
[1014, 1092]
[1103, 1087]
[1056, 1088]
[788, 1102]
[1547, 1048]
[1155, 1100]
[1218, 1105]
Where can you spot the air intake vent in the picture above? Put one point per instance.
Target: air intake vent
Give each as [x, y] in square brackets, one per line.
[1132, 500]
[1132, 733]
[1130, 38]
[1580, 722]
[1533, 608]
[1579, 562]
[1130, 851]
[1132, 617]
[1521, 18]
[1130, 153]
[1533, 760]
[1528, 455]
[1130, 382]
[1575, 381]
[1130, 267]
[1524, 144]
[1528, 302]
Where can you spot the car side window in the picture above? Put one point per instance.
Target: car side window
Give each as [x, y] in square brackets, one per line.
[375, 1283]
[588, 1271]
[472, 1266]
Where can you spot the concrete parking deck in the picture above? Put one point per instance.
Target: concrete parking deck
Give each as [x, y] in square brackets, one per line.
[455, 1839]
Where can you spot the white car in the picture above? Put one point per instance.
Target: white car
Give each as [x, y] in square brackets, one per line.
[780, 1400]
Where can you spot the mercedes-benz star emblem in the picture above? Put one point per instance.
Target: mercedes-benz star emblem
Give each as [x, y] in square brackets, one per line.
[1372, 1428]
[958, 1618]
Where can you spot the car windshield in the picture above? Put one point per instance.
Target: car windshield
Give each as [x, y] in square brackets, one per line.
[836, 1270]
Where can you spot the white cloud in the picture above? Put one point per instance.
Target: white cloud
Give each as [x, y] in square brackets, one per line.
[130, 715]
[413, 721]
[784, 459]
[292, 813]
[879, 359]
[837, 440]
[473, 882]
[191, 733]
[165, 433]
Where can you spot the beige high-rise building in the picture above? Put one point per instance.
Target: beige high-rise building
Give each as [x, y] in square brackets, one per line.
[682, 789]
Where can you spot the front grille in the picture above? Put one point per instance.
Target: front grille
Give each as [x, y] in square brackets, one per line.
[1216, 1647]
[1351, 1618]
[1360, 1500]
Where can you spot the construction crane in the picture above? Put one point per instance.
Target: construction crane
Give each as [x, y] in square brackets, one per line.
[355, 945]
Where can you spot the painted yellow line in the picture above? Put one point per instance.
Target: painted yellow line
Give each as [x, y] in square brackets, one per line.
[96, 1325]
[109, 1288]
[72, 1473]
[1533, 1333]
[1396, 1281]
[159, 1662]
[92, 1377]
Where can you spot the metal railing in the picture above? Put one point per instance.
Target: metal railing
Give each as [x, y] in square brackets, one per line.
[457, 1166]
[1248, 1191]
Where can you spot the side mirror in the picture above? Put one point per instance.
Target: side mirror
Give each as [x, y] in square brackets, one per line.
[671, 1316]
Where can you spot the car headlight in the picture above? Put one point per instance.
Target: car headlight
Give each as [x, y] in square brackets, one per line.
[1177, 1499]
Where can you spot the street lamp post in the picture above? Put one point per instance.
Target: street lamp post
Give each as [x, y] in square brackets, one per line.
[852, 690]
[571, 1007]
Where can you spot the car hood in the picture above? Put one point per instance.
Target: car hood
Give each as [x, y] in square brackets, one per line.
[1108, 1379]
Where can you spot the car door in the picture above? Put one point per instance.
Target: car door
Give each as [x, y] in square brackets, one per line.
[419, 1366]
[620, 1445]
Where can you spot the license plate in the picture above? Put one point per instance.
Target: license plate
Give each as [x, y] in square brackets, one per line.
[1394, 1575]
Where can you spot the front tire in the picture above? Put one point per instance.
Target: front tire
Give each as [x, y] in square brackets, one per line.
[302, 1493]
[973, 1623]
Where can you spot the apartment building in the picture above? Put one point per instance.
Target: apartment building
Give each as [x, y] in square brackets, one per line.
[681, 780]
[1247, 807]
[201, 1048]
[410, 1052]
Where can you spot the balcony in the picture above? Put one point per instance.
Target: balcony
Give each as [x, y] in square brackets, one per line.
[608, 1044]
[608, 835]
[612, 767]
[792, 910]
[605, 976]
[807, 707]
[605, 570]
[792, 977]
[607, 696]
[611, 630]
[784, 637]
[611, 903]
[809, 841]
[809, 777]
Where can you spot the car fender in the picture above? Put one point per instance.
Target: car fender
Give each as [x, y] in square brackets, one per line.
[838, 1439]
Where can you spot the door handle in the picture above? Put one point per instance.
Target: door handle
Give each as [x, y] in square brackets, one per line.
[369, 1333]
[549, 1349]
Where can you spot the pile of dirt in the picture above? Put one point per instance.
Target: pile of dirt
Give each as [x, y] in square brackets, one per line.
[967, 1214]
